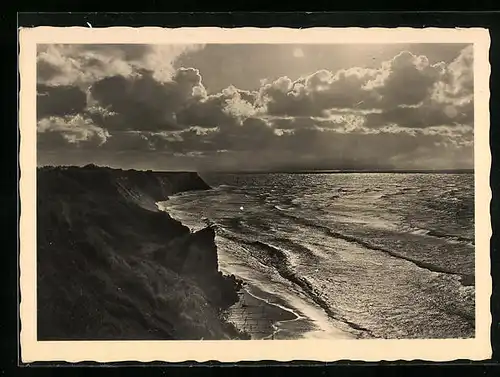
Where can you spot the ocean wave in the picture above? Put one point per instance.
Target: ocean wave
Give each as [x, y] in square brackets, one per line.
[279, 259]
[279, 208]
[420, 232]
[452, 238]
[330, 240]
[399, 192]
[465, 278]
[222, 187]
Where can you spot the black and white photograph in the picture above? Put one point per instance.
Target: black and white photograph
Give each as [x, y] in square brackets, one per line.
[252, 191]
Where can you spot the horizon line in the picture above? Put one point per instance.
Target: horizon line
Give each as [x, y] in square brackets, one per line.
[277, 171]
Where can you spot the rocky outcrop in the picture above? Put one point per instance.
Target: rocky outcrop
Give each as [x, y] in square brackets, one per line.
[111, 265]
[196, 256]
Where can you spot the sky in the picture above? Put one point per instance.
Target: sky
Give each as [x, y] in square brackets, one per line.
[256, 106]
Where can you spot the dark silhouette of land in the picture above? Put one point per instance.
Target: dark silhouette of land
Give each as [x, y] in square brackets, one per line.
[111, 265]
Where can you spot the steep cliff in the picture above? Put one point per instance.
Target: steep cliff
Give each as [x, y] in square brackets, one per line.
[113, 266]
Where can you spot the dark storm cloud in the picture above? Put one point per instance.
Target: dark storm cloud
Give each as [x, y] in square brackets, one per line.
[59, 101]
[257, 135]
[423, 116]
[51, 140]
[252, 134]
[369, 149]
[128, 141]
[208, 113]
[140, 102]
[322, 149]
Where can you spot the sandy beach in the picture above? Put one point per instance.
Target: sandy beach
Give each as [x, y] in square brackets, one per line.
[263, 316]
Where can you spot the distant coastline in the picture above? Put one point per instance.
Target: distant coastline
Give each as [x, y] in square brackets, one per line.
[276, 171]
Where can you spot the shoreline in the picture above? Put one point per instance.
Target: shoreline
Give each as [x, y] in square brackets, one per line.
[263, 319]
[313, 321]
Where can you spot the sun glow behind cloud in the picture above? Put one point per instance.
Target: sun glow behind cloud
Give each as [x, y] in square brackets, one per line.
[298, 53]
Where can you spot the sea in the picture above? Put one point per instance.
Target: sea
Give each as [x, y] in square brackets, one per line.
[359, 255]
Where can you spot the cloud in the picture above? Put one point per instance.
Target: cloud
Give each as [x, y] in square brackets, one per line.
[315, 145]
[59, 64]
[316, 93]
[406, 79]
[253, 134]
[55, 132]
[448, 101]
[457, 84]
[310, 148]
[244, 65]
[424, 115]
[338, 121]
[225, 109]
[106, 100]
[59, 101]
[80, 64]
[406, 90]
[140, 102]
[250, 134]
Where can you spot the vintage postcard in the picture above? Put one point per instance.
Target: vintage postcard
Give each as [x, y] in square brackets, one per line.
[248, 194]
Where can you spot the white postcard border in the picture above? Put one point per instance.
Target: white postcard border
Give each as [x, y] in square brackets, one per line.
[32, 350]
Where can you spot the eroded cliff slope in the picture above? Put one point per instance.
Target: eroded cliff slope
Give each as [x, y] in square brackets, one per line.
[110, 265]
